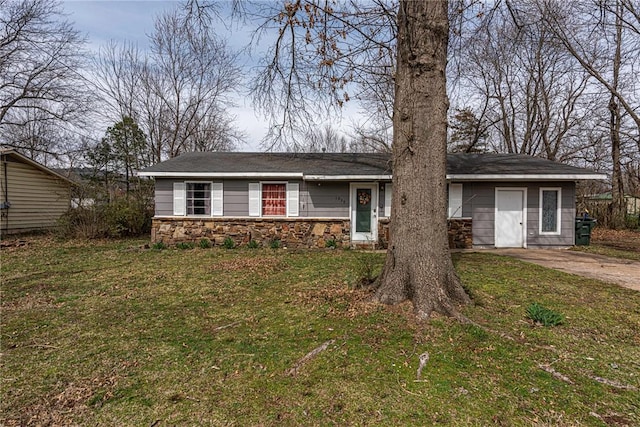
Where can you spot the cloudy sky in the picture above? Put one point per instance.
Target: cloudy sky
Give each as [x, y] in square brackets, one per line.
[102, 21]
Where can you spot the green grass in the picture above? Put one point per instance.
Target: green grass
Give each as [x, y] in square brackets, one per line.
[107, 333]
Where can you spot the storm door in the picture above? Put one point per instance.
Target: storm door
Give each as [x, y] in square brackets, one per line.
[364, 213]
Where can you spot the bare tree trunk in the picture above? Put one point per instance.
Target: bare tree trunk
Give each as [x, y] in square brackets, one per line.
[418, 265]
[617, 186]
[618, 208]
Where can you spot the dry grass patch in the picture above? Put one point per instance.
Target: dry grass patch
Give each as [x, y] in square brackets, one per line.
[615, 243]
[250, 264]
[110, 334]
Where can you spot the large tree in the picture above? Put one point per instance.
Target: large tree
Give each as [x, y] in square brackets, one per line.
[41, 85]
[179, 92]
[531, 92]
[332, 51]
[325, 56]
[418, 265]
[126, 144]
[611, 59]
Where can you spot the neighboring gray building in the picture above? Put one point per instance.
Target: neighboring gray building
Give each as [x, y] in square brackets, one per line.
[319, 199]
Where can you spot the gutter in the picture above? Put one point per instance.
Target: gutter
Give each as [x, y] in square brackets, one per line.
[347, 177]
[528, 177]
[385, 177]
[299, 175]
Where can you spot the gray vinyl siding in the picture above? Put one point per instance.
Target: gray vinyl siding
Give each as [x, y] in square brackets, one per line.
[324, 199]
[479, 204]
[235, 198]
[327, 200]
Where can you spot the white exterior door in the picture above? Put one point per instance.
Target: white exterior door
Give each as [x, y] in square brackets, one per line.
[510, 218]
[364, 212]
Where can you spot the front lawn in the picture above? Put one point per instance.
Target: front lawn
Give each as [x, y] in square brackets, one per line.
[109, 333]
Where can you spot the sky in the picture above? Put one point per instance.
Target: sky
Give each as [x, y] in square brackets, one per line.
[103, 21]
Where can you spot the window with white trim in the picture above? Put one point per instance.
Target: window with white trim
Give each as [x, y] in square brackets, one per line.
[550, 208]
[197, 198]
[274, 199]
[280, 199]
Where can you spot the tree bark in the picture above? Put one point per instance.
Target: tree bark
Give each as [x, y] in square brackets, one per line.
[418, 265]
[618, 207]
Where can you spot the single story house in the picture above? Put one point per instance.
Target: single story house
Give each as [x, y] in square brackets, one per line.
[33, 196]
[343, 199]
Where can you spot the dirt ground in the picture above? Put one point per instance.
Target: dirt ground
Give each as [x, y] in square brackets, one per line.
[617, 239]
[620, 271]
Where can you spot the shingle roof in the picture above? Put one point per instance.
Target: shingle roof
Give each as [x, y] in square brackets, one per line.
[306, 163]
[24, 159]
[508, 165]
[360, 165]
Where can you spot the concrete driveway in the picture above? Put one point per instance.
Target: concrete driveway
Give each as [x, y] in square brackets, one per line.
[607, 269]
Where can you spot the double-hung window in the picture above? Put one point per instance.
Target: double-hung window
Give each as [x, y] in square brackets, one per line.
[198, 197]
[550, 207]
[269, 199]
[274, 199]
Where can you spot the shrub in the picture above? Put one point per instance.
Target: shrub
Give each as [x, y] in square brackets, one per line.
[543, 315]
[122, 217]
[159, 246]
[128, 216]
[185, 245]
[632, 222]
[331, 243]
[229, 243]
[83, 223]
[205, 244]
[275, 244]
[253, 244]
[366, 268]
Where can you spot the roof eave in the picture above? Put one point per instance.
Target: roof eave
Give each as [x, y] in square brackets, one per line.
[525, 177]
[347, 177]
[221, 174]
[38, 166]
[373, 177]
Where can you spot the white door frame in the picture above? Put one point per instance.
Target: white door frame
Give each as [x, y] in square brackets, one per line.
[523, 191]
[372, 236]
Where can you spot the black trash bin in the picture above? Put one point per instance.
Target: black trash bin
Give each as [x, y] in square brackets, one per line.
[583, 230]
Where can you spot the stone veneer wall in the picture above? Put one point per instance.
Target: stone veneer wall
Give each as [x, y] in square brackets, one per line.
[292, 233]
[460, 233]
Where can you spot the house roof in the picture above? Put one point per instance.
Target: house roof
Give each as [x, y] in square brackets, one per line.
[24, 159]
[503, 167]
[358, 166]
